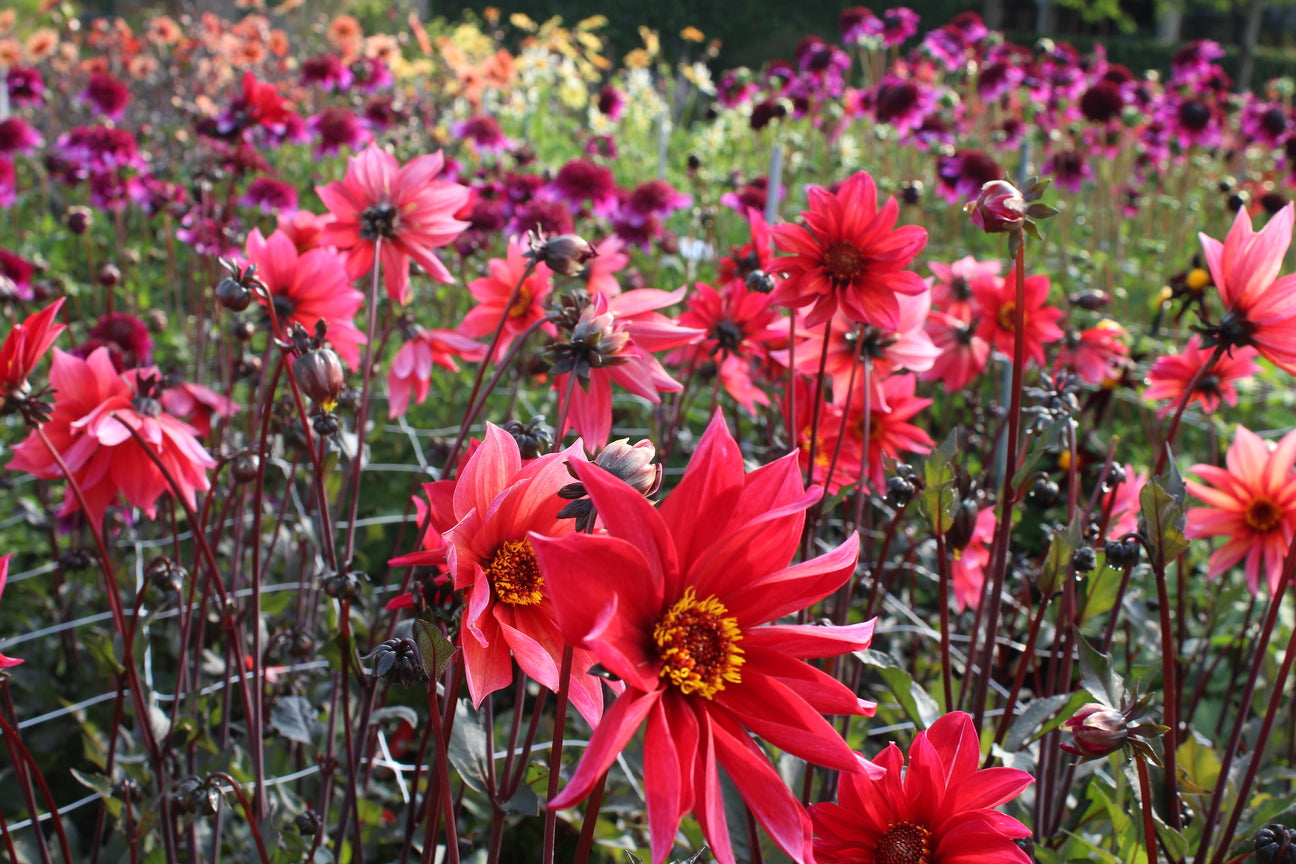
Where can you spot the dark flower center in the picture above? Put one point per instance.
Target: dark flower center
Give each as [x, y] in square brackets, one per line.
[378, 221]
[728, 336]
[960, 289]
[844, 263]
[147, 406]
[870, 342]
[1262, 514]
[697, 643]
[514, 573]
[904, 843]
[283, 307]
[1209, 384]
[1194, 115]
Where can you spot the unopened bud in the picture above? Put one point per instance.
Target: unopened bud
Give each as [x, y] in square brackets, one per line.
[1097, 730]
[959, 534]
[633, 464]
[109, 275]
[319, 374]
[999, 208]
[565, 254]
[233, 294]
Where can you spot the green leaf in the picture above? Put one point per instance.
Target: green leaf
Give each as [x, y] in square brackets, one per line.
[937, 497]
[1163, 518]
[467, 749]
[1041, 717]
[435, 650]
[1057, 565]
[294, 717]
[1098, 675]
[916, 702]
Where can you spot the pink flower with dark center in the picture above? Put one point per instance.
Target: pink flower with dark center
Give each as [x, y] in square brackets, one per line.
[337, 128]
[962, 354]
[1097, 354]
[581, 182]
[405, 210]
[126, 338]
[653, 198]
[850, 256]
[309, 287]
[271, 196]
[18, 136]
[1251, 503]
[326, 71]
[998, 297]
[1171, 374]
[951, 285]
[484, 132]
[86, 428]
[26, 86]
[493, 292]
[890, 432]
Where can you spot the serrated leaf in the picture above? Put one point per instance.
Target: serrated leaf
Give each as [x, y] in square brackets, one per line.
[435, 650]
[1041, 717]
[1098, 675]
[467, 748]
[1163, 519]
[293, 717]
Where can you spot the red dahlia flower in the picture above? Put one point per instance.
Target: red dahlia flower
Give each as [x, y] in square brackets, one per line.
[676, 600]
[850, 256]
[997, 298]
[6, 662]
[939, 810]
[411, 368]
[24, 347]
[494, 291]
[1171, 374]
[407, 208]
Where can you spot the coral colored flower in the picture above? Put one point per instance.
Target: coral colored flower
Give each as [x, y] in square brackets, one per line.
[1171, 374]
[303, 228]
[963, 354]
[676, 601]
[1260, 306]
[997, 300]
[502, 506]
[405, 209]
[493, 292]
[24, 347]
[307, 288]
[6, 662]
[890, 434]
[938, 810]
[86, 428]
[838, 446]
[951, 285]
[850, 256]
[967, 565]
[1097, 354]
[411, 368]
[1251, 503]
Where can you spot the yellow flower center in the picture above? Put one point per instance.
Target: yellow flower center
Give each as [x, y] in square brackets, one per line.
[1262, 514]
[522, 303]
[904, 843]
[698, 645]
[1197, 279]
[515, 574]
[1007, 316]
[844, 263]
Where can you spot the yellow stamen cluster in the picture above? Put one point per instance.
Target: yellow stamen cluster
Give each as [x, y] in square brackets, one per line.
[697, 643]
[514, 573]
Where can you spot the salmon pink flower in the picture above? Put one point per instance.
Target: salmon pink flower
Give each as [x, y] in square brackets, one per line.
[998, 298]
[309, 287]
[502, 505]
[1260, 306]
[838, 446]
[494, 291]
[1171, 374]
[850, 256]
[676, 601]
[6, 662]
[938, 810]
[951, 285]
[95, 403]
[24, 347]
[405, 209]
[963, 354]
[1097, 353]
[411, 368]
[890, 432]
[967, 565]
[1252, 503]
[195, 404]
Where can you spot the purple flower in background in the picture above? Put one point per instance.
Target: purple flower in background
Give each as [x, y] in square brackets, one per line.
[336, 128]
[580, 181]
[126, 338]
[961, 175]
[653, 198]
[271, 195]
[8, 183]
[551, 218]
[1195, 63]
[1268, 123]
[371, 74]
[859, 26]
[26, 86]
[611, 102]
[326, 71]
[15, 275]
[1069, 170]
[485, 133]
[383, 112]
[107, 95]
[898, 26]
[18, 136]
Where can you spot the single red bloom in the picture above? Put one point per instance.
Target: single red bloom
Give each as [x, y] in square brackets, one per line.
[406, 207]
[739, 328]
[939, 810]
[676, 600]
[309, 287]
[493, 291]
[890, 433]
[411, 368]
[1097, 354]
[963, 354]
[24, 347]
[502, 505]
[998, 300]
[1170, 376]
[850, 256]
[86, 428]
[6, 662]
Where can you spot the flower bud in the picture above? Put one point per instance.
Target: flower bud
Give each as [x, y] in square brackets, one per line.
[959, 534]
[1084, 559]
[1122, 553]
[565, 254]
[320, 376]
[109, 275]
[1097, 730]
[999, 208]
[233, 294]
[1275, 844]
[633, 464]
[78, 219]
[899, 491]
